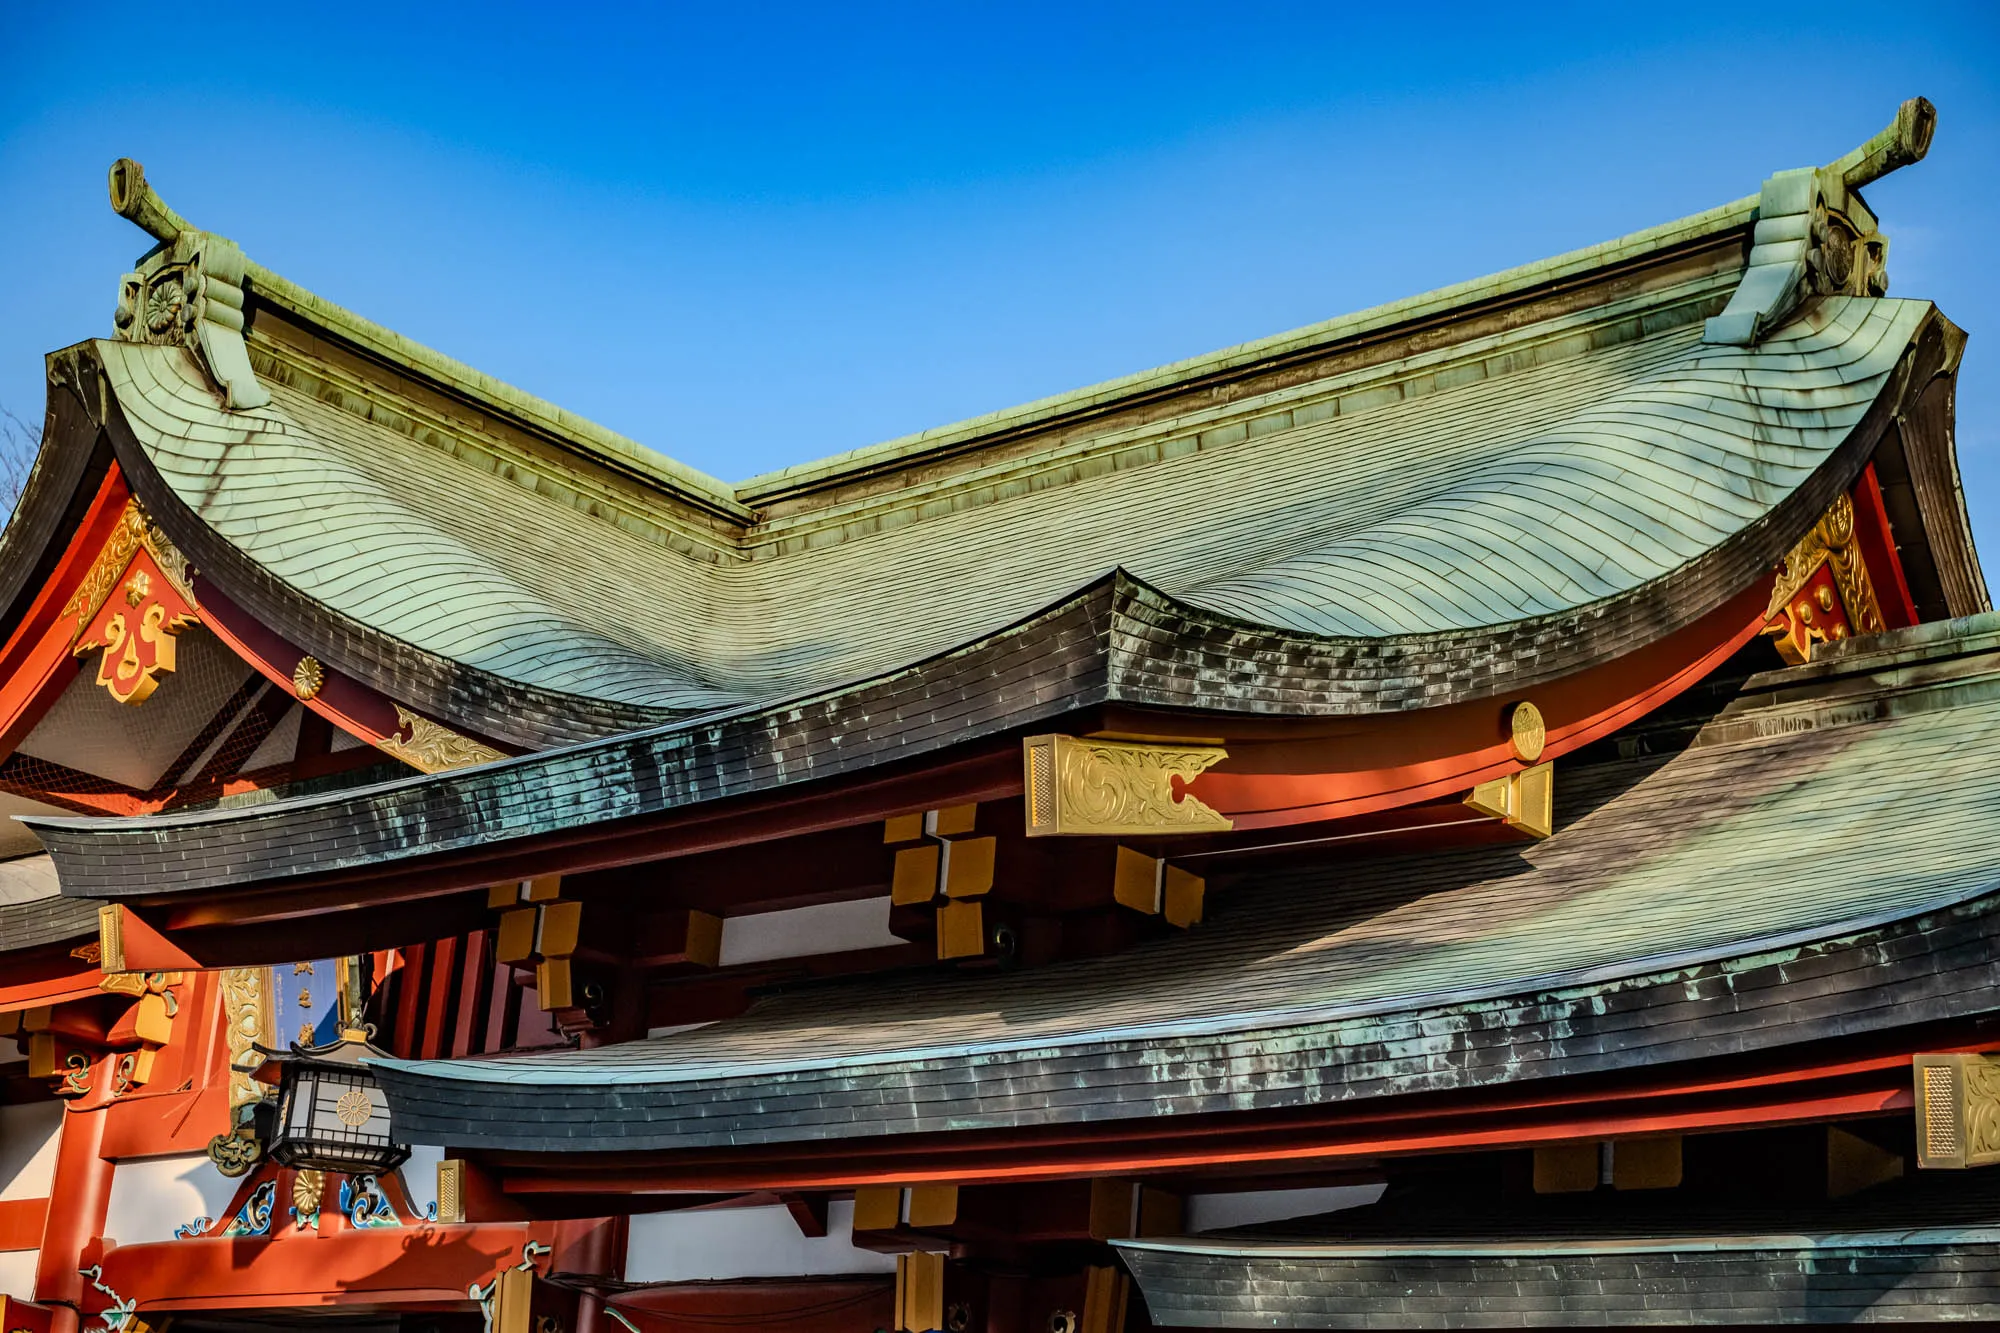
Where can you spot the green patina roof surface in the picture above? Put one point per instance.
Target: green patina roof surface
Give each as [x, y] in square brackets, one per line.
[1791, 820]
[1520, 474]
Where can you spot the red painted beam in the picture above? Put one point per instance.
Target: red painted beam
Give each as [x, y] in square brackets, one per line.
[1393, 760]
[79, 1196]
[424, 1267]
[806, 1305]
[80, 984]
[147, 949]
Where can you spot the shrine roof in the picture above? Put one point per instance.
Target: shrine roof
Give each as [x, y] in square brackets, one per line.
[1668, 918]
[1526, 477]
[1547, 441]
[1584, 1260]
[33, 911]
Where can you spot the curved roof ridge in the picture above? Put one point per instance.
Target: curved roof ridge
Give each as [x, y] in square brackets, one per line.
[1506, 282]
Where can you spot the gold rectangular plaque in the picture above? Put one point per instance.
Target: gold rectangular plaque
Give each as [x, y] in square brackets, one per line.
[1080, 785]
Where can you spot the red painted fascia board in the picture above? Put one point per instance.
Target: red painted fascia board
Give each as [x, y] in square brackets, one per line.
[78, 985]
[35, 663]
[403, 1267]
[1453, 749]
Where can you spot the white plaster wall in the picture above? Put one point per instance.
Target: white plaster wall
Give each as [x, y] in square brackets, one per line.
[799, 932]
[745, 1242]
[420, 1177]
[1213, 1212]
[29, 1133]
[153, 1195]
[17, 1274]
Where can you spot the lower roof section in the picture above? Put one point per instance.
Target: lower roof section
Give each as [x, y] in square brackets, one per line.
[1885, 1277]
[1868, 1278]
[1909, 1252]
[33, 911]
[1818, 864]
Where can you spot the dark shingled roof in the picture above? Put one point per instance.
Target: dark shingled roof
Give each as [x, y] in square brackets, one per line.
[1891, 1254]
[32, 910]
[1669, 918]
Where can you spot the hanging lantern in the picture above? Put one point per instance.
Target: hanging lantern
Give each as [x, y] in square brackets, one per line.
[331, 1116]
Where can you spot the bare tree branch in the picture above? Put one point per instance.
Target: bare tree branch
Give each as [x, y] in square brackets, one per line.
[19, 443]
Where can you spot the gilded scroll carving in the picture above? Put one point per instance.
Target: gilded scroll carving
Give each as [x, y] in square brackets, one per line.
[1082, 786]
[246, 1008]
[1958, 1110]
[1823, 593]
[246, 1012]
[134, 532]
[430, 747]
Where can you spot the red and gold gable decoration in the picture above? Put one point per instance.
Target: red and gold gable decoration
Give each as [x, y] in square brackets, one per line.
[1823, 593]
[130, 606]
[97, 1050]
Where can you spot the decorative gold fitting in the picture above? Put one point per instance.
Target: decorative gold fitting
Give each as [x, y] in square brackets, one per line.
[1958, 1110]
[451, 1190]
[1524, 800]
[1791, 621]
[111, 938]
[308, 678]
[432, 747]
[1087, 786]
[1526, 732]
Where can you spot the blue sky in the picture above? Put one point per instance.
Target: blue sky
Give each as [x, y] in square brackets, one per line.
[752, 235]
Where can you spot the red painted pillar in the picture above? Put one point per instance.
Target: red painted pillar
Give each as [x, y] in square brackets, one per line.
[79, 1199]
[595, 1246]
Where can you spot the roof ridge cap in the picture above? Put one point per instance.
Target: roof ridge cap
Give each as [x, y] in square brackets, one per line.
[1723, 217]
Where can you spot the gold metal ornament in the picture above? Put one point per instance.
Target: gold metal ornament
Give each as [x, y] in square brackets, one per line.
[1958, 1110]
[308, 678]
[1830, 542]
[353, 1108]
[1526, 732]
[432, 747]
[1083, 786]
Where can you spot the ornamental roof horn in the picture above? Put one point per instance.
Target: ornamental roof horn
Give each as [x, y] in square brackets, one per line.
[1816, 236]
[185, 292]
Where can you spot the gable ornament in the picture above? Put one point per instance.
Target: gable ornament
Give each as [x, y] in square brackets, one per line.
[1816, 236]
[185, 292]
[133, 602]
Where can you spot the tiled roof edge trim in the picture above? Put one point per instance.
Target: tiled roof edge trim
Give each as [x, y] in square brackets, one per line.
[1666, 1244]
[1643, 971]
